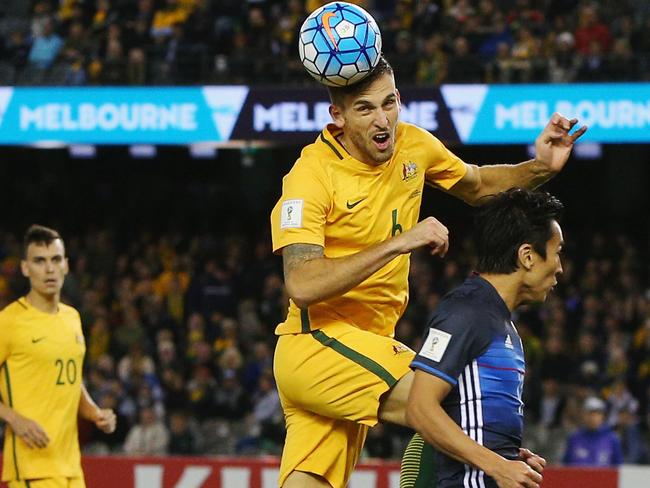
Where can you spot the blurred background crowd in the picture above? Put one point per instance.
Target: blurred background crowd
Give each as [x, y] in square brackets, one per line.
[429, 42]
[179, 336]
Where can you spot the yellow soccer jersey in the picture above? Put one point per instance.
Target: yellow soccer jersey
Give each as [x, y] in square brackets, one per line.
[42, 359]
[333, 200]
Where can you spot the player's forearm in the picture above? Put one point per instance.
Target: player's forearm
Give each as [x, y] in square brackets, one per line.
[439, 430]
[7, 413]
[322, 278]
[88, 409]
[497, 178]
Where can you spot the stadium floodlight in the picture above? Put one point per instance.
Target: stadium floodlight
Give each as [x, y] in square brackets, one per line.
[143, 151]
[82, 151]
[203, 151]
[588, 150]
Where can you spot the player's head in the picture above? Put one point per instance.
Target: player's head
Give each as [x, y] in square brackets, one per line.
[518, 231]
[367, 112]
[44, 262]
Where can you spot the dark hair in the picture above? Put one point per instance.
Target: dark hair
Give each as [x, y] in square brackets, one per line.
[39, 234]
[507, 221]
[338, 94]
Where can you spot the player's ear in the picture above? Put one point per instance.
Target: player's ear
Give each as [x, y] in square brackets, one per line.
[525, 256]
[66, 266]
[399, 98]
[23, 268]
[336, 113]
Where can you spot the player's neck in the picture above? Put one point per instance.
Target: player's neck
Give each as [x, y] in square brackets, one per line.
[507, 288]
[44, 303]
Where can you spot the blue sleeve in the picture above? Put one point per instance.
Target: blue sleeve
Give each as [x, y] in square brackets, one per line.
[456, 335]
[568, 457]
[617, 458]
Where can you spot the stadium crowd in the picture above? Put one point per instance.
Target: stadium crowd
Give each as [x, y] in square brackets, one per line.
[179, 336]
[429, 42]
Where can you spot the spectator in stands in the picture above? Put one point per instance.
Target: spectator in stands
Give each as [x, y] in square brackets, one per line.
[563, 62]
[404, 58]
[166, 17]
[591, 35]
[183, 438]
[432, 63]
[633, 444]
[46, 47]
[465, 67]
[596, 444]
[230, 400]
[149, 437]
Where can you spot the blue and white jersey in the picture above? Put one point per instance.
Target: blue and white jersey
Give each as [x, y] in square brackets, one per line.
[473, 345]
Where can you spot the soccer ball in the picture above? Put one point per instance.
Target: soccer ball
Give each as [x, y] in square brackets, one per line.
[339, 44]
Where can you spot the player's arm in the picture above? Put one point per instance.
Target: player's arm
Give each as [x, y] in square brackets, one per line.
[310, 277]
[552, 148]
[103, 418]
[31, 433]
[426, 415]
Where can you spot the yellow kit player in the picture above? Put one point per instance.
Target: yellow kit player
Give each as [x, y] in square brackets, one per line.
[41, 352]
[345, 225]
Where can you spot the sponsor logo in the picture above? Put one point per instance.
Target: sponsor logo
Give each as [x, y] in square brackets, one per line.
[353, 204]
[328, 28]
[38, 339]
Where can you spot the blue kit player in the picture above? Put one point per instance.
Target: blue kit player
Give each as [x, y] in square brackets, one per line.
[469, 375]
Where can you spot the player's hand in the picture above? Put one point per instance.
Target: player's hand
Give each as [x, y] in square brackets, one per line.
[538, 463]
[31, 433]
[553, 146]
[106, 420]
[429, 232]
[516, 474]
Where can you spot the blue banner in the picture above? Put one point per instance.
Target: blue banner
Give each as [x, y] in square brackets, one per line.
[517, 113]
[470, 114]
[112, 115]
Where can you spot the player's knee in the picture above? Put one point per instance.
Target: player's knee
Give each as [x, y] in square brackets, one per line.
[300, 479]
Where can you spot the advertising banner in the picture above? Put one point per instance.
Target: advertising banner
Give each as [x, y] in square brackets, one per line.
[235, 472]
[220, 115]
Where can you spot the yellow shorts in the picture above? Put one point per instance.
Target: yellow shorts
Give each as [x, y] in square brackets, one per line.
[330, 383]
[58, 482]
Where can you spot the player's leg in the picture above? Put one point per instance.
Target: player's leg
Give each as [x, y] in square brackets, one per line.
[335, 375]
[56, 482]
[418, 468]
[299, 479]
[77, 482]
[319, 451]
[393, 404]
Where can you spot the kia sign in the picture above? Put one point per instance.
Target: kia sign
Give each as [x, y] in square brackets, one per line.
[219, 115]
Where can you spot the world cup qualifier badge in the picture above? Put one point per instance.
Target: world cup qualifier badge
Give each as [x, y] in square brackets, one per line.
[409, 171]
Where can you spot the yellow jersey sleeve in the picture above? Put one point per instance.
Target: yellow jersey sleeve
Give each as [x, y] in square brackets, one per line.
[444, 168]
[299, 216]
[5, 337]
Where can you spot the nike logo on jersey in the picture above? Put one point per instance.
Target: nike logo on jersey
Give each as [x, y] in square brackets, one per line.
[38, 339]
[508, 342]
[353, 204]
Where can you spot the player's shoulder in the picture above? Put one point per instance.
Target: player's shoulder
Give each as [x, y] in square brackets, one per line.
[13, 310]
[464, 302]
[69, 311]
[12, 314]
[413, 133]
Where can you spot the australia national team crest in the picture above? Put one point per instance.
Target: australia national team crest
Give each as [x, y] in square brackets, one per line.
[409, 171]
